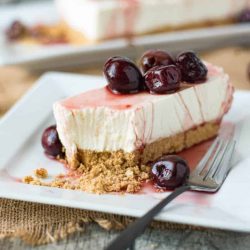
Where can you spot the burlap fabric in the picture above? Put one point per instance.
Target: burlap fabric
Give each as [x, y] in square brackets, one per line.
[39, 223]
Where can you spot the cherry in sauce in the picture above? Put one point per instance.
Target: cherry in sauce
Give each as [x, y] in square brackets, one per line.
[51, 142]
[170, 172]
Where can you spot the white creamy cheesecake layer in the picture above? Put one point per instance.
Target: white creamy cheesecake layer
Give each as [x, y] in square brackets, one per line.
[149, 117]
[102, 19]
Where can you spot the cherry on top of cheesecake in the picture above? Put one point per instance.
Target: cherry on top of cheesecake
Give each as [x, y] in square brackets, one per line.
[192, 69]
[163, 79]
[162, 74]
[123, 76]
[170, 172]
[51, 142]
[155, 57]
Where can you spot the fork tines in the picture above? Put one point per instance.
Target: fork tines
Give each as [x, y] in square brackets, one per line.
[214, 166]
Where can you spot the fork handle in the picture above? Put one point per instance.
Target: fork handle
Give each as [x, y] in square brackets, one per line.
[127, 237]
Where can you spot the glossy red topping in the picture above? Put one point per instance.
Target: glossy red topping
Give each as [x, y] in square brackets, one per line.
[106, 99]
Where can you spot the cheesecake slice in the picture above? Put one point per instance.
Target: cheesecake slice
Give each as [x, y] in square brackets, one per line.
[99, 127]
[98, 20]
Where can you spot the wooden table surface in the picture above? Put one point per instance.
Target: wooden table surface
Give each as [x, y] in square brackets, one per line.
[95, 238]
[15, 81]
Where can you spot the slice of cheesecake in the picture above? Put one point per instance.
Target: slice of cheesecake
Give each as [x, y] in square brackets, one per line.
[133, 129]
[98, 20]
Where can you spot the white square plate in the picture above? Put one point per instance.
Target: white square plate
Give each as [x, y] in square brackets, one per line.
[57, 56]
[21, 153]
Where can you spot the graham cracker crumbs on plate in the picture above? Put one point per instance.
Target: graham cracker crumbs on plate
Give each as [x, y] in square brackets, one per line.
[28, 179]
[41, 173]
[31, 180]
[102, 175]
[105, 174]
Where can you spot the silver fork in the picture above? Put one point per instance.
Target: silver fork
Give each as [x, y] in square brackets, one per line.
[208, 176]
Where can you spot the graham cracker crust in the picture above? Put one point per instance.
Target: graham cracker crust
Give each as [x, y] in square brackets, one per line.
[118, 171]
[150, 152]
[104, 172]
[194, 25]
[54, 34]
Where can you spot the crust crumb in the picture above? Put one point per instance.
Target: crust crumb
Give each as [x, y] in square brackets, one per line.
[28, 179]
[41, 173]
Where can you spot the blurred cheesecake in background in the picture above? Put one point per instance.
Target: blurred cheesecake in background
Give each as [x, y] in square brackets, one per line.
[90, 21]
[105, 19]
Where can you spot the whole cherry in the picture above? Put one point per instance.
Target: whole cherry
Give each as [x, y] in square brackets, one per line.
[16, 30]
[170, 172]
[155, 57]
[163, 79]
[192, 69]
[51, 142]
[123, 76]
[244, 16]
